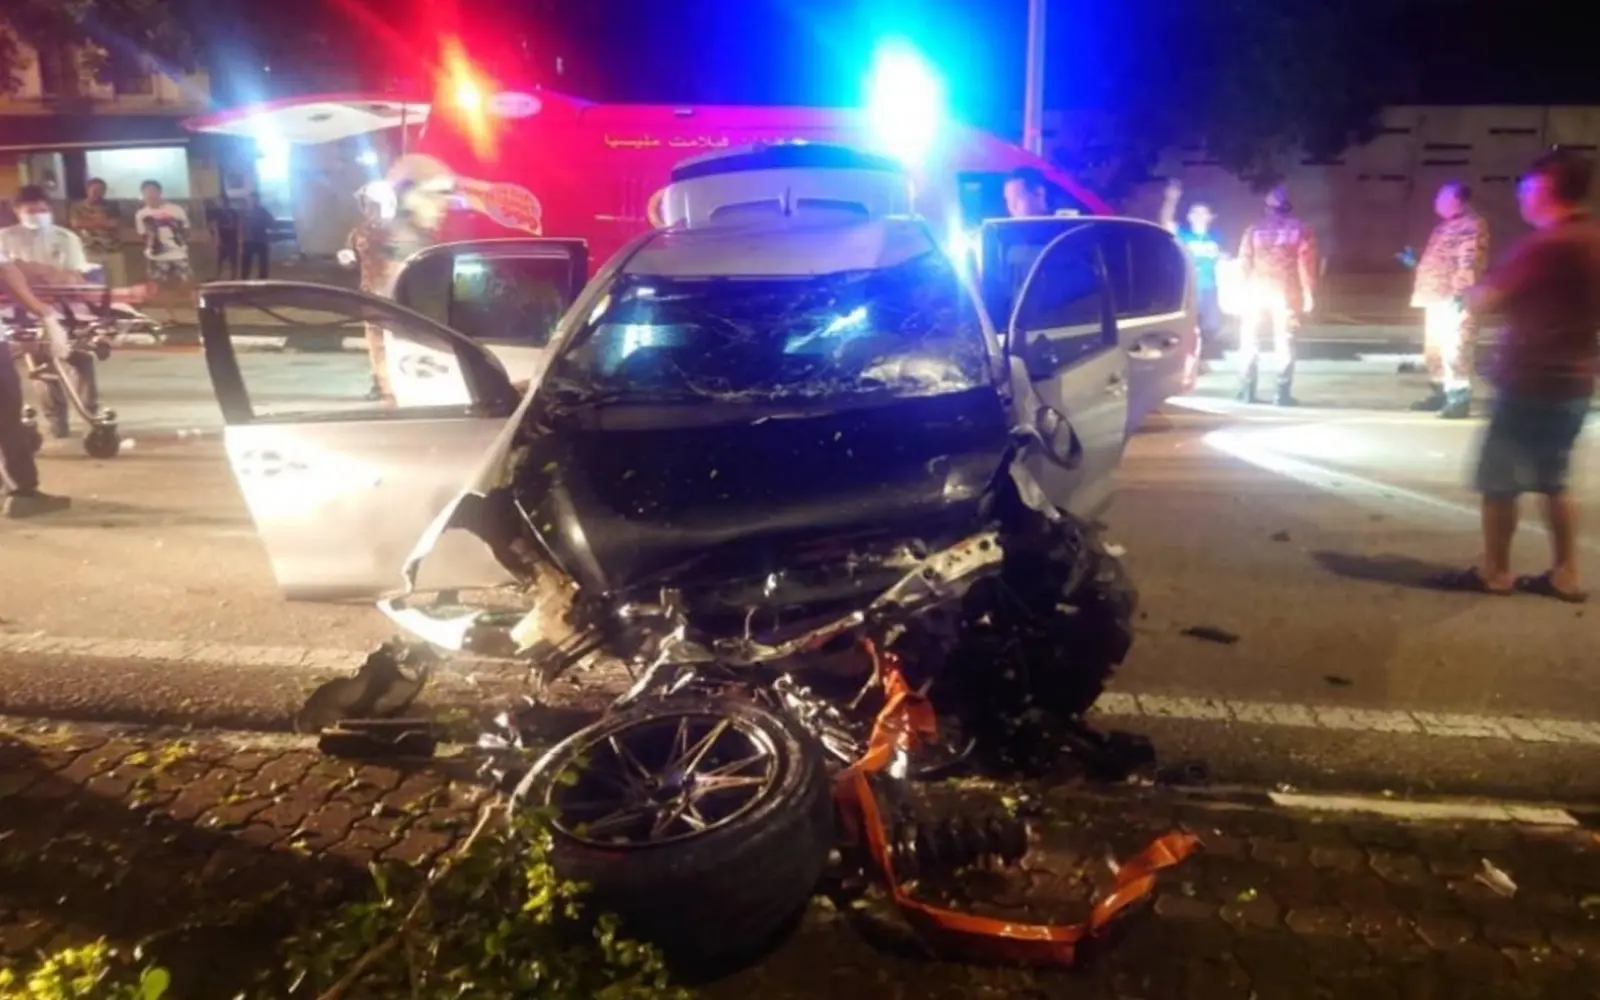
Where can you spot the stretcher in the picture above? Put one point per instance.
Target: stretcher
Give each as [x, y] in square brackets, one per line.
[94, 317]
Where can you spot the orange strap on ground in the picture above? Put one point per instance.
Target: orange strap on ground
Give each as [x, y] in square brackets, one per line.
[906, 718]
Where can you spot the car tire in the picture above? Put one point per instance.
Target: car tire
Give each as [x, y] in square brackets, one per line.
[707, 899]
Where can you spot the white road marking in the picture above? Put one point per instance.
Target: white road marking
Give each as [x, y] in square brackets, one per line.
[1339, 718]
[1431, 812]
[1114, 704]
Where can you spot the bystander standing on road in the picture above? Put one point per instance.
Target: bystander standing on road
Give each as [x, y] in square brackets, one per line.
[49, 253]
[99, 222]
[256, 244]
[223, 220]
[1452, 262]
[1547, 292]
[19, 471]
[1278, 268]
[1204, 243]
[368, 245]
[165, 230]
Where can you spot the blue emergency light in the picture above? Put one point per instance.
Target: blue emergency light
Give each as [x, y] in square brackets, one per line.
[905, 103]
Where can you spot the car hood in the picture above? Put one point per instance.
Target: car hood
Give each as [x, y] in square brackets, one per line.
[618, 517]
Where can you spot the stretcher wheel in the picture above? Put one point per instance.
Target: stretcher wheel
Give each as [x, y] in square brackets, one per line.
[102, 442]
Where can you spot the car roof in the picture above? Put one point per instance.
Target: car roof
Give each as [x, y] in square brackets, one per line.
[781, 248]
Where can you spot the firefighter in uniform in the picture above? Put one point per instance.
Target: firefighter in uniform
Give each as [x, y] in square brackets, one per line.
[1278, 267]
[1452, 262]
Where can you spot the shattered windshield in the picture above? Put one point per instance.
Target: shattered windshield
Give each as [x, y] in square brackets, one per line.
[907, 330]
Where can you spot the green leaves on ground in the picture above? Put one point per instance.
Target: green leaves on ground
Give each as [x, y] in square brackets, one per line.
[491, 922]
[92, 972]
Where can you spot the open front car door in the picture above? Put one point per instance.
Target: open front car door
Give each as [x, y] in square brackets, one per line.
[340, 482]
[1147, 278]
[1070, 375]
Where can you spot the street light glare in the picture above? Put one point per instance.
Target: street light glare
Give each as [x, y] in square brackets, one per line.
[468, 96]
[905, 102]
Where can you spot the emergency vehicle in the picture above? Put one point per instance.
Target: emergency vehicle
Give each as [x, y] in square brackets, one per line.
[542, 163]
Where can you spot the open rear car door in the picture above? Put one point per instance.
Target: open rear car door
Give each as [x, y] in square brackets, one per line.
[506, 295]
[340, 483]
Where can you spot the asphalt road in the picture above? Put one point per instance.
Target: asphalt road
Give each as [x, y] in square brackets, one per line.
[1303, 533]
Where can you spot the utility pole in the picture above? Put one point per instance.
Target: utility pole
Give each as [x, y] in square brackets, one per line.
[1033, 88]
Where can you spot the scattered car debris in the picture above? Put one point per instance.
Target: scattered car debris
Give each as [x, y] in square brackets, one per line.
[1211, 633]
[905, 718]
[380, 739]
[1496, 879]
[920, 846]
[385, 685]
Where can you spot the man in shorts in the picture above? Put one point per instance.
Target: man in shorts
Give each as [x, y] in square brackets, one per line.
[1547, 291]
[164, 227]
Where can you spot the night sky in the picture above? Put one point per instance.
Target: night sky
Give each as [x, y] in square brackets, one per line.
[815, 51]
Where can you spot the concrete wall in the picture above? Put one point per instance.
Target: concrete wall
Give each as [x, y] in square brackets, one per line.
[1374, 199]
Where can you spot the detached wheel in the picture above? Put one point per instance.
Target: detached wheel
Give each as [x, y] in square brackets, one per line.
[102, 442]
[703, 823]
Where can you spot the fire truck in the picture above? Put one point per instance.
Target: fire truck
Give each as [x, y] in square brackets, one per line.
[538, 162]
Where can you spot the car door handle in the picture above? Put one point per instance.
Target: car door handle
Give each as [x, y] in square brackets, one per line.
[1154, 345]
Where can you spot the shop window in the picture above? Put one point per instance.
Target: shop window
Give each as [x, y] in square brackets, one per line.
[124, 170]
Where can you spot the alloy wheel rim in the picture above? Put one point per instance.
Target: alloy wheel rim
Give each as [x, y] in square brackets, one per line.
[662, 779]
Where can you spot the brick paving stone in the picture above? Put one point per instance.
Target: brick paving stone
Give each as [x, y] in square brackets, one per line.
[1175, 906]
[1405, 870]
[283, 771]
[1221, 845]
[1443, 932]
[1253, 911]
[1337, 857]
[1315, 921]
[1279, 853]
[1279, 905]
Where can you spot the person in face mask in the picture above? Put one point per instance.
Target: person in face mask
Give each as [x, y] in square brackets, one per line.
[49, 254]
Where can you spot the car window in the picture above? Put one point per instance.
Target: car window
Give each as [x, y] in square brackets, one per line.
[911, 329]
[506, 298]
[419, 369]
[983, 197]
[1146, 270]
[1064, 300]
[1009, 253]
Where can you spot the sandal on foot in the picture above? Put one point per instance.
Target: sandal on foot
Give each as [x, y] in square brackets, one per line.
[1544, 585]
[1469, 581]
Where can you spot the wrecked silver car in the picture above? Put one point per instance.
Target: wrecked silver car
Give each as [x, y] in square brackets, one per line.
[755, 459]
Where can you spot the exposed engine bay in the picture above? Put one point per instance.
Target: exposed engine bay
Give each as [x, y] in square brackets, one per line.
[756, 654]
